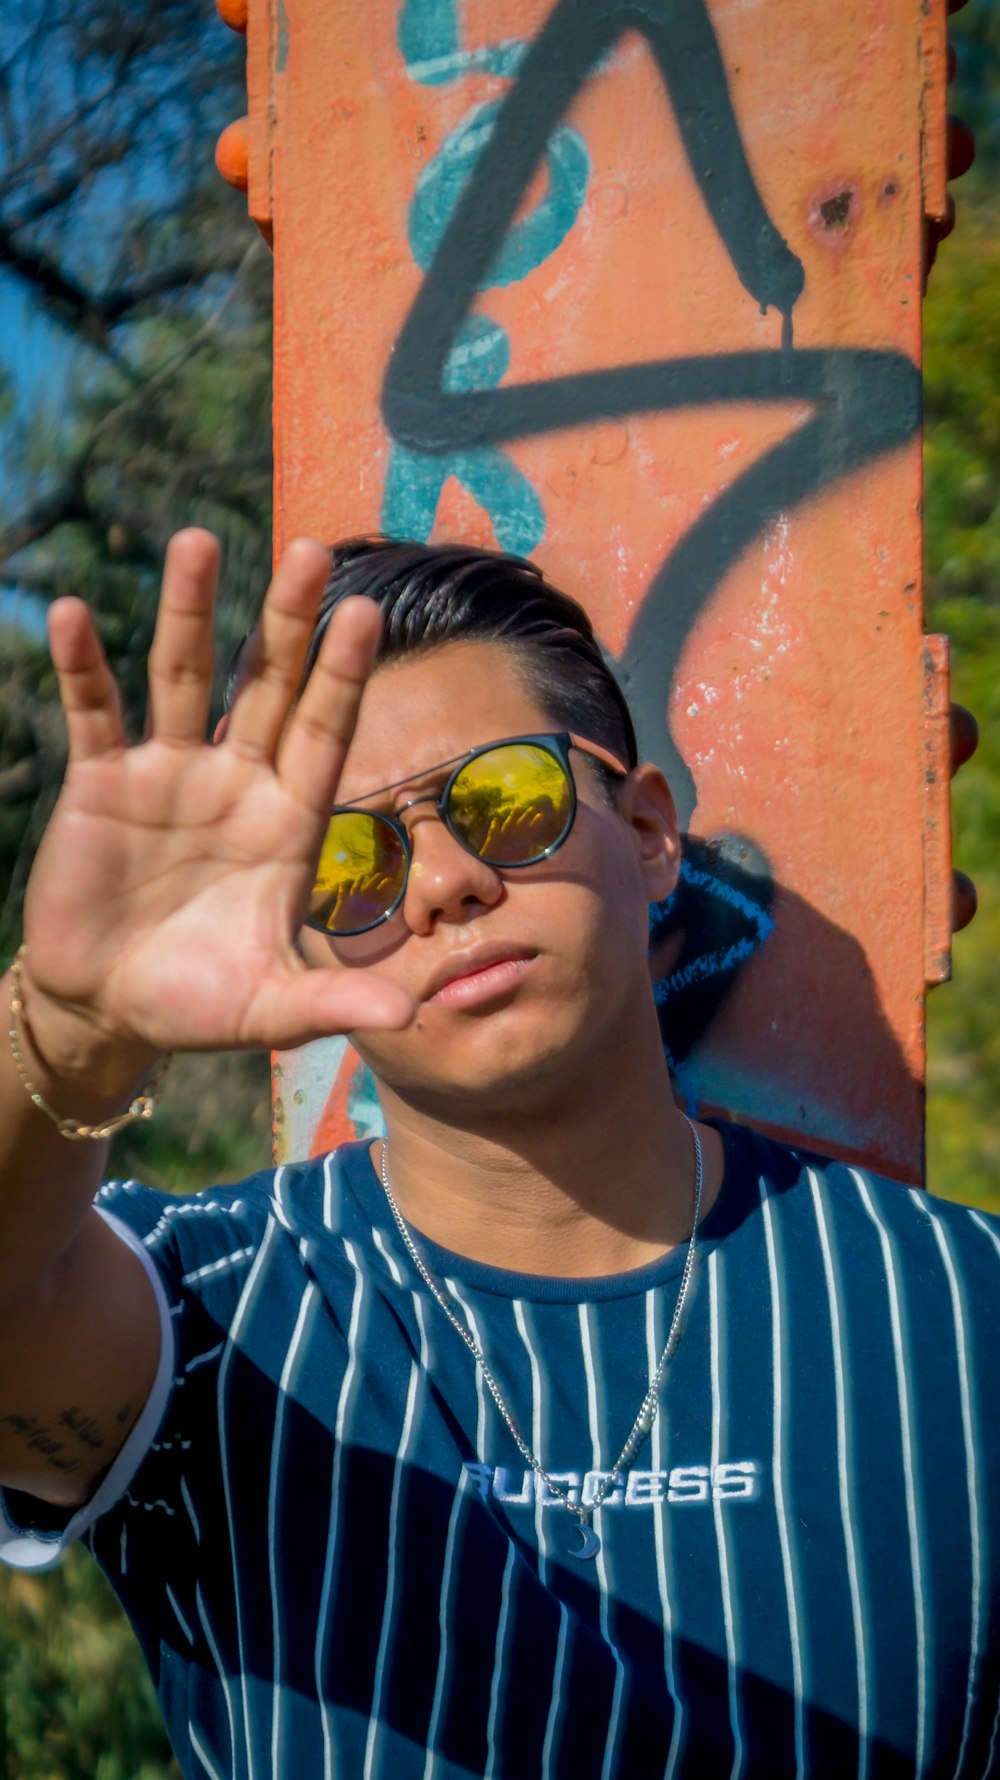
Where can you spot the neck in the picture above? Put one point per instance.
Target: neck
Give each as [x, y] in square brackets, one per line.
[597, 1180]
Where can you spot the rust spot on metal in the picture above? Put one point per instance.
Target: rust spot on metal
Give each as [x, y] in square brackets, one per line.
[836, 210]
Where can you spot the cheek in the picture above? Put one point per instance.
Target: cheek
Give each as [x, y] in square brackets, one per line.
[600, 860]
[362, 951]
[591, 913]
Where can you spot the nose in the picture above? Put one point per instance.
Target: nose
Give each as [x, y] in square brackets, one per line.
[446, 882]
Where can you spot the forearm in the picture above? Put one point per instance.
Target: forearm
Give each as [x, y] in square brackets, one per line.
[48, 1181]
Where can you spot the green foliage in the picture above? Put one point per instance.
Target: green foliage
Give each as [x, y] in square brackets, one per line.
[165, 419]
[962, 333]
[212, 1126]
[118, 229]
[76, 1700]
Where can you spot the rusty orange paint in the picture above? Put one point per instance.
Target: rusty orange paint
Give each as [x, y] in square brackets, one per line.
[740, 514]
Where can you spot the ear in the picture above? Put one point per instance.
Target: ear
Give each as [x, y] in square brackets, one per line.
[646, 803]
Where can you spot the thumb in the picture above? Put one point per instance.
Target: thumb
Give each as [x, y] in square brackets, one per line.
[300, 1006]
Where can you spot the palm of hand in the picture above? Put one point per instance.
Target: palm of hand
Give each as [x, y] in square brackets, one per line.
[171, 882]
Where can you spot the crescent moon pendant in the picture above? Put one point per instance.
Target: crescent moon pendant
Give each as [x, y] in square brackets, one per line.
[591, 1543]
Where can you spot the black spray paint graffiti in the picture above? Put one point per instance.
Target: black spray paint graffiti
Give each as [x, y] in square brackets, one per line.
[866, 403]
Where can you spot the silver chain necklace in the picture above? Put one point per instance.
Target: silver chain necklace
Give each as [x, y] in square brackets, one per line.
[649, 1406]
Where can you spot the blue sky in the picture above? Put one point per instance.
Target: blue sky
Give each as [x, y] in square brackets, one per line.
[40, 360]
[36, 357]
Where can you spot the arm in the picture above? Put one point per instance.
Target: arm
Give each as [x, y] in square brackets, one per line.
[161, 915]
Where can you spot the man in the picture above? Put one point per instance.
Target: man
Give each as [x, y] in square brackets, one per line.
[558, 1435]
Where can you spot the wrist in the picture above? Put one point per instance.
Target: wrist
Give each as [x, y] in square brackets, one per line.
[88, 1072]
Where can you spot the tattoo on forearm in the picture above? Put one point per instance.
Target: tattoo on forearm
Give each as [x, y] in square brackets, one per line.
[60, 1438]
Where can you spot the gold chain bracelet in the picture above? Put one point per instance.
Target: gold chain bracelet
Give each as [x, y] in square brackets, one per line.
[142, 1107]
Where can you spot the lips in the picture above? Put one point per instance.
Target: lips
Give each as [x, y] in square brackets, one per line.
[479, 966]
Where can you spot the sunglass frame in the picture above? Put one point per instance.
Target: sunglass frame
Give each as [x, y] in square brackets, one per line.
[558, 743]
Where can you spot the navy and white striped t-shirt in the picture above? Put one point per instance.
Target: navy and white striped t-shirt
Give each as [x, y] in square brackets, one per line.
[339, 1565]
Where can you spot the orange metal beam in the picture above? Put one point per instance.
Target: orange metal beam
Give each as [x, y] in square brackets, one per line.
[637, 291]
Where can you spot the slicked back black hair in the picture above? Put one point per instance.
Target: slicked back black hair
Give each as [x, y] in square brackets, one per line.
[431, 594]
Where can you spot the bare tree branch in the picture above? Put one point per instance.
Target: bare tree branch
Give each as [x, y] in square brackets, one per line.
[59, 293]
[20, 780]
[68, 500]
[65, 501]
[38, 151]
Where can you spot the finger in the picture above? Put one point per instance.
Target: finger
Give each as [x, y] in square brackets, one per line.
[87, 689]
[963, 734]
[313, 751]
[298, 1007]
[281, 645]
[180, 660]
[964, 901]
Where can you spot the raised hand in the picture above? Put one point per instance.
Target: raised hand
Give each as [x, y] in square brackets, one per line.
[168, 890]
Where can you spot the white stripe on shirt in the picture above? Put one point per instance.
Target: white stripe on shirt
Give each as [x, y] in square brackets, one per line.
[442, 1666]
[189, 1505]
[236, 1328]
[778, 1460]
[387, 1254]
[536, 1445]
[227, 1691]
[474, 1331]
[718, 1513]
[995, 1240]
[322, 1693]
[906, 1429]
[491, 1723]
[219, 1266]
[190, 1208]
[309, 1302]
[418, 1368]
[202, 1753]
[179, 1616]
[661, 1532]
[971, 1468]
[843, 1472]
[329, 1164]
[590, 1373]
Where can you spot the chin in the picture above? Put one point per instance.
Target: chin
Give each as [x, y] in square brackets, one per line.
[509, 1062]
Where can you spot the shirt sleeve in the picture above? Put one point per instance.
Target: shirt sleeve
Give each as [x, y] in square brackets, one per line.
[195, 1251]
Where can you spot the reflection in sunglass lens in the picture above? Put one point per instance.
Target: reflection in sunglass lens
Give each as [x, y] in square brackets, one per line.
[361, 871]
[511, 804]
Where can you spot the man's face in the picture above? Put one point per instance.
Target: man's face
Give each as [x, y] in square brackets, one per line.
[519, 976]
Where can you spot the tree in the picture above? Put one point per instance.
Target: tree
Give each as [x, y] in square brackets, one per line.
[962, 320]
[76, 1699]
[106, 113]
[116, 228]
[962, 462]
